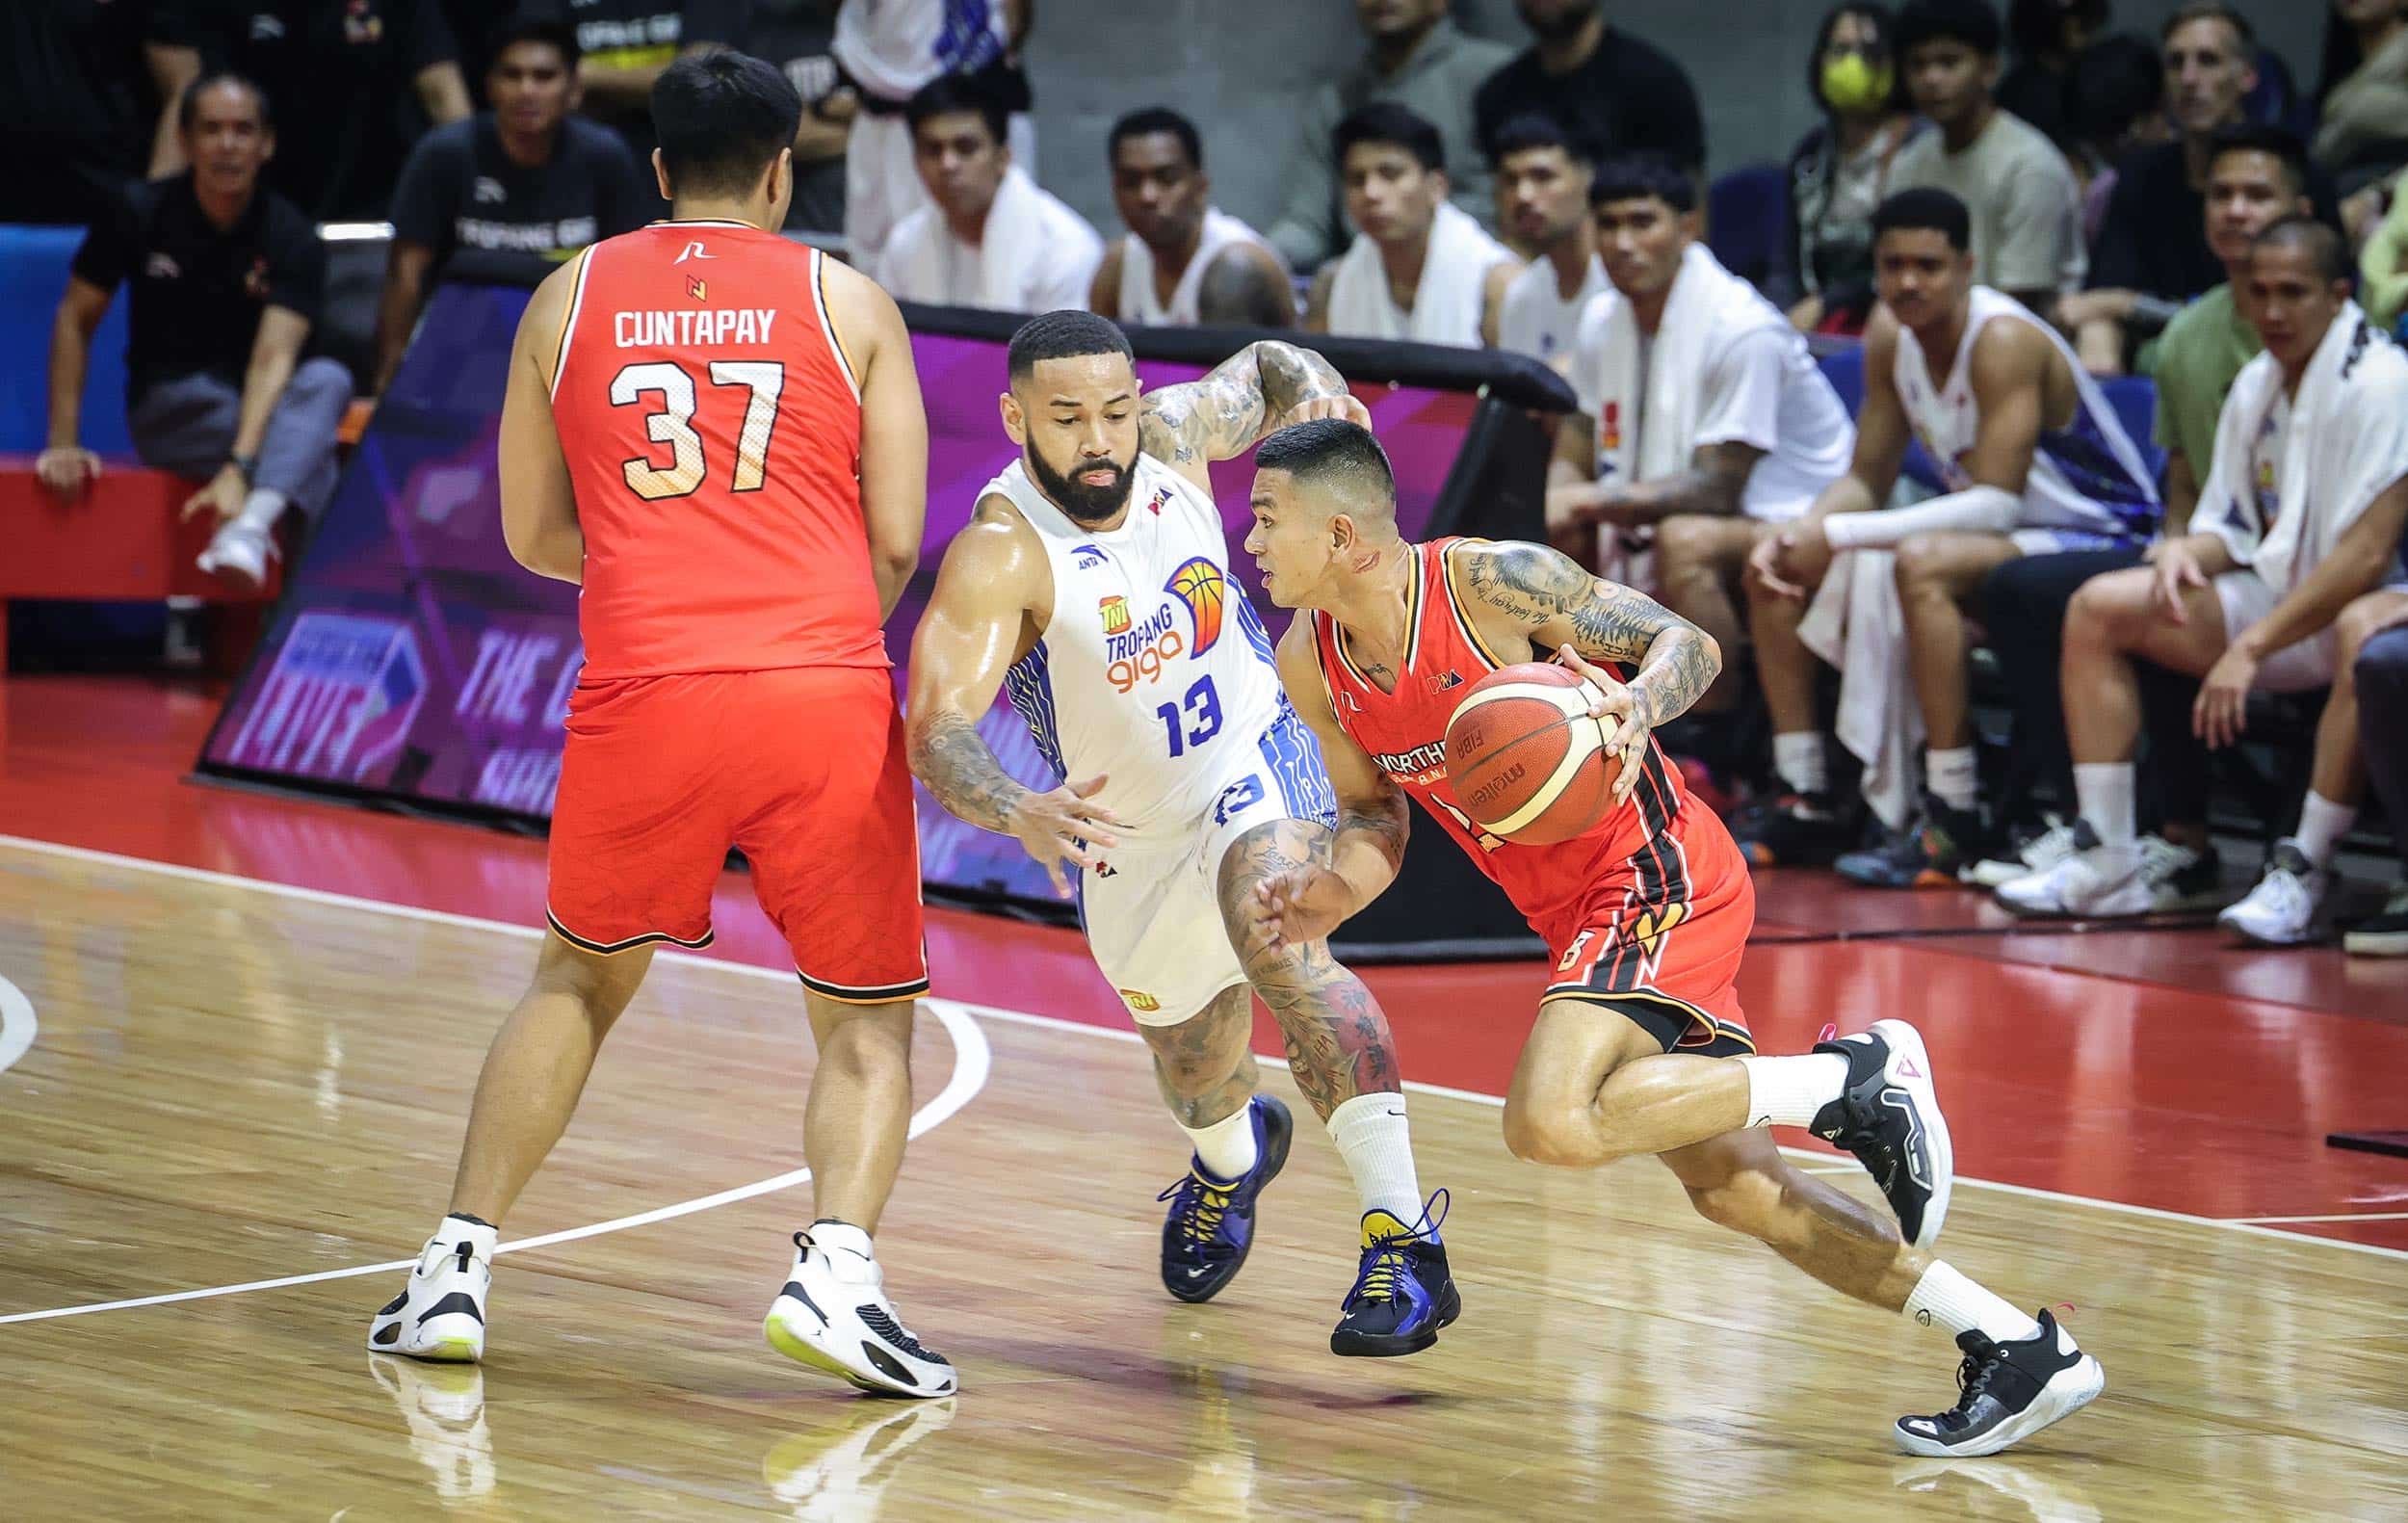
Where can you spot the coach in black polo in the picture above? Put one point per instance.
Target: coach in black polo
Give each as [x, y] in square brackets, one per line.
[224, 280]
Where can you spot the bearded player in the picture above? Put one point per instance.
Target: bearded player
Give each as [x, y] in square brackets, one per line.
[1092, 582]
[1640, 1047]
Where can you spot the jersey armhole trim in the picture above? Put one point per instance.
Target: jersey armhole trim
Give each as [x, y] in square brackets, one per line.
[1454, 602]
[827, 323]
[568, 325]
[1320, 667]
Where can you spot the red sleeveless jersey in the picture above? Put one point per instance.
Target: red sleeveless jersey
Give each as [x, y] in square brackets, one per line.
[1405, 733]
[711, 426]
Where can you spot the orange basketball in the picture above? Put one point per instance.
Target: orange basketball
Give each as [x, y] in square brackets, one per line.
[1524, 757]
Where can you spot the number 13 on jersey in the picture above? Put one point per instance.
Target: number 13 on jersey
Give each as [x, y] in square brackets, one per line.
[1193, 720]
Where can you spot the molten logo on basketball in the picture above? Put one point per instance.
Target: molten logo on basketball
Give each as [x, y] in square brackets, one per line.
[1199, 584]
[1495, 787]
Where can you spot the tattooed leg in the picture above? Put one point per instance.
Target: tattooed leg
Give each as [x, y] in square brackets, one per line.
[1337, 1036]
[1204, 1066]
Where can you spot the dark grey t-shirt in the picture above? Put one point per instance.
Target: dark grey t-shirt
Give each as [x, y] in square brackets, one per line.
[490, 218]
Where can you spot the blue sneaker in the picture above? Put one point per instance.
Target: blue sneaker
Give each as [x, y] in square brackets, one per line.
[1209, 1227]
[1403, 1293]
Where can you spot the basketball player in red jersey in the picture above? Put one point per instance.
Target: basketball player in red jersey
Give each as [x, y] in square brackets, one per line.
[717, 435]
[1646, 914]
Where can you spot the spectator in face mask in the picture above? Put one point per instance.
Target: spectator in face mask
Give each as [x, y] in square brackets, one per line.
[1841, 169]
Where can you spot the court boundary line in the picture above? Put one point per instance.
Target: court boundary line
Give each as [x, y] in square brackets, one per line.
[973, 1063]
[2237, 1224]
[18, 1024]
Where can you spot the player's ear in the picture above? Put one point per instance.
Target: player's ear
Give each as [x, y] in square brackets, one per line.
[660, 176]
[1015, 422]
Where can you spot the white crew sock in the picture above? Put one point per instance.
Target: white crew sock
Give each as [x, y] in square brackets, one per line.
[1799, 761]
[1371, 1136]
[1788, 1091]
[1952, 775]
[2104, 793]
[262, 508]
[1226, 1147]
[2323, 823]
[1948, 1301]
[478, 1235]
[831, 1235]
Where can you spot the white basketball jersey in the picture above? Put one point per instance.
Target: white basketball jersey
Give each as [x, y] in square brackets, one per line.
[1139, 303]
[1536, 320]
[2087, 475]
[1154, 671]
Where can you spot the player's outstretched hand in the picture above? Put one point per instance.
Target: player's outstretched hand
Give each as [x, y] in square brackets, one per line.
[1345, 404]
[1291, 909]
[1064, 826]
[1626, 734]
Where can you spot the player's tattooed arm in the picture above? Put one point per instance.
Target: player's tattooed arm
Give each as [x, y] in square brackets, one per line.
[1715, 484]
[1556, 604]
[959, 768]
[1246, 396]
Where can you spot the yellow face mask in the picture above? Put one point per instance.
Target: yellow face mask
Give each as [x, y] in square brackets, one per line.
[1850, 83]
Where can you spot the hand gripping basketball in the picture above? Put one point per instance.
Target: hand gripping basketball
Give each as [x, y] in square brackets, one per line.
[1627, 743]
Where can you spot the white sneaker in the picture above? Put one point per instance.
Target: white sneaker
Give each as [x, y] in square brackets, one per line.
[2286, 907]
[240, 553]
[2090, 882]
[834, 1315]
[2038, 854]
[444, 1407]
[440, 1313]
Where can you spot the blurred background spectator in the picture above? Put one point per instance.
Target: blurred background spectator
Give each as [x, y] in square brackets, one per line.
[989, 236]
[1418, 58]
[2045, 37]
[1618, 92]
[83, 83]
[1420, 268]
[1840, 171]
[2361, 100]
[505, 197]
[624, 45]
[799, 37]
[351, 86]
[886, 52]
[2027, 215]
[224, 280]
[1543, 180]
[1185, 261]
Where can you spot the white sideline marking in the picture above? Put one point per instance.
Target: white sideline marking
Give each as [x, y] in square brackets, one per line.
[1026, 1018]
[17, 1023]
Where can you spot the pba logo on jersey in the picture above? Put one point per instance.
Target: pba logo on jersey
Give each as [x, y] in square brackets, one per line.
[1443, 681]
[1162, 500]
[1114, 611]
[1201, 587]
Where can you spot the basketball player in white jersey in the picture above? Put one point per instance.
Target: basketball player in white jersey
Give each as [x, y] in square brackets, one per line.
[1543, 175]
[1185, 262]
[2035, 462]
[1093, 585]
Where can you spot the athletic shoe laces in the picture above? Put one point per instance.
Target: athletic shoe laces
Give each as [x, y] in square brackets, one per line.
[1197, 1205]
[1972, 1377]
[1387, 1262]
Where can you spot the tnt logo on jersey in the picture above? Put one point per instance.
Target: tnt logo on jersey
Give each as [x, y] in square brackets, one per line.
[1139, 1000]
[1201, 587]
[1114, 612]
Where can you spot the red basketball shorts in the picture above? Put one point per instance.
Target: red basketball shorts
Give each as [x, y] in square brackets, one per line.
[802, 768]
[1659, 938]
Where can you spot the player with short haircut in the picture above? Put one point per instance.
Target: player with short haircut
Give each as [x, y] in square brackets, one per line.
[1092, 584]
[718, 435]
[1646, 913]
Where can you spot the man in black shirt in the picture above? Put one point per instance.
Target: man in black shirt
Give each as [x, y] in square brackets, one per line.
[355, 82]
[626, 45]
[225, 279]
[507, 196]
[1613, 91]
[2152, 255]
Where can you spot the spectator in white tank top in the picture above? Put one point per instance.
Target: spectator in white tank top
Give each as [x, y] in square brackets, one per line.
[1543, 175]
[1185, 262]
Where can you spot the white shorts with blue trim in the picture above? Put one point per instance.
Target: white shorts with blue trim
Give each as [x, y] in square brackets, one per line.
[1152, 913]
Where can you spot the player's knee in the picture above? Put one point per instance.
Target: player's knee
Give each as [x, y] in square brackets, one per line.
[1553, 1133]
[1686, 544]
[1924, 562]
[2353, 628]
[2100, 608]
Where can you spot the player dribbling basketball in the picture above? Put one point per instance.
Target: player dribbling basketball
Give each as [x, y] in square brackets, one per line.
[1647, 913]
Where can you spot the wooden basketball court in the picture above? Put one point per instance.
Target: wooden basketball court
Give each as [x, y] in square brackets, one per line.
[219, 1082]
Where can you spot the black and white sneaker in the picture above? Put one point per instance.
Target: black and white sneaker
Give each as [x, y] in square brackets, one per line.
[2008, 1391]
[439, 1314]
[834, 1315]
[1889, 1117]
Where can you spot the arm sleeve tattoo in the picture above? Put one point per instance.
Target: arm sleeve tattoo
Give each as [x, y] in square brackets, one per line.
[1228, 411]
[1556, 602]
[948, 756]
